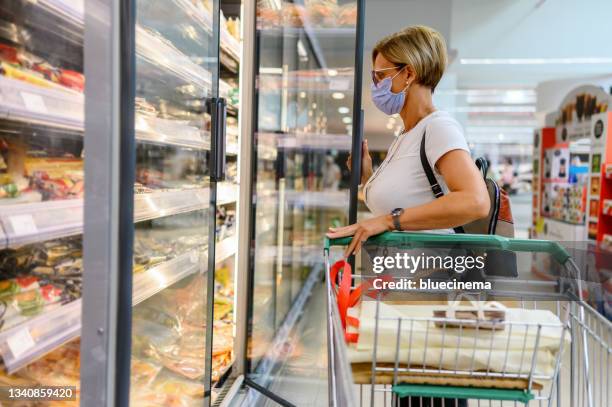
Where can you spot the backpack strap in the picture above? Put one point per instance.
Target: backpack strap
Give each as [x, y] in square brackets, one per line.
[483, 166]
[436, 189]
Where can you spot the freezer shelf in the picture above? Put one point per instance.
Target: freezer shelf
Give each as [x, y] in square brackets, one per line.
[318, 199]
[203, 19]
[58, 106]
[72, 12]
[160, 53]
[42, 221]
[313, 141]
[37, 336]
[226, 248]
[63, 108]
[152, 281]
[26, 342]
[68, 10]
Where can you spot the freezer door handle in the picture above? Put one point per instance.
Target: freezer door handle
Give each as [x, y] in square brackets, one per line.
[219, 114]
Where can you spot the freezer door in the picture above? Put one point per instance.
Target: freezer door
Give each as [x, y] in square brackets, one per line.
[304, 88]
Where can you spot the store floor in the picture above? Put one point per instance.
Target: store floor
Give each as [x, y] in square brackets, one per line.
[303, 378]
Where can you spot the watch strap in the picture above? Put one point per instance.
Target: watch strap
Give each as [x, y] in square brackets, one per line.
[395, 215]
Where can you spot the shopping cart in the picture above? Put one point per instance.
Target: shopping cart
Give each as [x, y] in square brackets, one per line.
[578, 377]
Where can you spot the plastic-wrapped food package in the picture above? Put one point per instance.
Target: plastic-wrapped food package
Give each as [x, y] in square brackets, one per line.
[322, 13]
[347, 15]
[267, 17]
[293, 15]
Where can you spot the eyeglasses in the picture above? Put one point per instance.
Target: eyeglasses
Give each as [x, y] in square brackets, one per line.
[380, 74]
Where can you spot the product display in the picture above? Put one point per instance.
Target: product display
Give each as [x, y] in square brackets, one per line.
[573, 186]
[42, 165]
[316, 13]
[18, 64]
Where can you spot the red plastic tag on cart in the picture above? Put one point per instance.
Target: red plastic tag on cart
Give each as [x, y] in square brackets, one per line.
[348, 298]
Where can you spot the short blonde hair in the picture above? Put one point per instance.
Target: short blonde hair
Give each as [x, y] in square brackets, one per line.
[422, 48]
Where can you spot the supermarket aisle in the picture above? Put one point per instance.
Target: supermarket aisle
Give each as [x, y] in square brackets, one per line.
[521, 210]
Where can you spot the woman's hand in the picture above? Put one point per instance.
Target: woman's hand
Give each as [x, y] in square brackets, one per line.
[366, 163]
[361, 231]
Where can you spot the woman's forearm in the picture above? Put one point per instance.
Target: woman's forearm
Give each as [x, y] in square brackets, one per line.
[451, 210]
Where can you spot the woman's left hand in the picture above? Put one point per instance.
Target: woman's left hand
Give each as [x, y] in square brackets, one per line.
[360, 231]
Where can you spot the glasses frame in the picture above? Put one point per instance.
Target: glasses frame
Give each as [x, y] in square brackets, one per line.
[373, 73]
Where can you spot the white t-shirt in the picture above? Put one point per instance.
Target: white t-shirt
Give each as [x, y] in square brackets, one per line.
[400, 182]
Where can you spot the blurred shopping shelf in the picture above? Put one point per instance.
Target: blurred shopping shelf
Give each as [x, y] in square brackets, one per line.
[41, 221]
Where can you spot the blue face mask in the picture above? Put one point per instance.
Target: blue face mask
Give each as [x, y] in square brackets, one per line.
[385, 100]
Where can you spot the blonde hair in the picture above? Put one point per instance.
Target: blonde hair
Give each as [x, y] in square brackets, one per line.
[421, 48]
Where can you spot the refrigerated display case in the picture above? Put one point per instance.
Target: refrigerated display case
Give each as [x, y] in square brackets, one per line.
[182, 209]
[182, 326]
[303, 124]
[156, 229]
[41, 192]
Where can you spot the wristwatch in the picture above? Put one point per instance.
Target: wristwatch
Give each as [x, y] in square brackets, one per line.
[395, 215]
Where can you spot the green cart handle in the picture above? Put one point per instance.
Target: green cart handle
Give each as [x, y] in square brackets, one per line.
[414, 240]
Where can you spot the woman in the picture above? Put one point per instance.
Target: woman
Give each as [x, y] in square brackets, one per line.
[407, 67]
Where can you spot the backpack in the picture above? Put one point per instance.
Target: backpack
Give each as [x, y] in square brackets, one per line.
[499, 220]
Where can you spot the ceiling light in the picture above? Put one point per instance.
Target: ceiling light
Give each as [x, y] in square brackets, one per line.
[337, 95]
[314, 105]
[347, 120]
[533, 61]
[332, 72]
[494, 109]
[494, 129]
[302, 94]
[343, 110]
[486, 91]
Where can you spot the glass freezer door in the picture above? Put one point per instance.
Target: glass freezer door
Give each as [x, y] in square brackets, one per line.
[304, 79]
[179, 161]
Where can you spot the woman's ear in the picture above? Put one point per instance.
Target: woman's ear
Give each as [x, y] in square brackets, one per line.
[410, 76]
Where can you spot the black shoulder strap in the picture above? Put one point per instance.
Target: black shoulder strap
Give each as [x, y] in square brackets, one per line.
[435, 187]
[433, 181]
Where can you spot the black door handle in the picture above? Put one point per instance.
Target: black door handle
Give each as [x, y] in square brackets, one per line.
[218, 117]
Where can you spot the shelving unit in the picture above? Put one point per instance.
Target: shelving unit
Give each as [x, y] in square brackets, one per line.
[173, 139]
[42, 221]
[572, 205]
[62, 108]
[37, 336]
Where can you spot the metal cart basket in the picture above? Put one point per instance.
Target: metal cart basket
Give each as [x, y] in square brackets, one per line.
[421, 366]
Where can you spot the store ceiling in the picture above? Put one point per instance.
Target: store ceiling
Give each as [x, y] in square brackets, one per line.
[504, 49]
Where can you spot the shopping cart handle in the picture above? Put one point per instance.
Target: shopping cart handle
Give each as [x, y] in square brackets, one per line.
[414, 239]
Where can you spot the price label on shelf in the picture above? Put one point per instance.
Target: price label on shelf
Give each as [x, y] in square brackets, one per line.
[34, 103]
[20, 342]
[23, 224]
